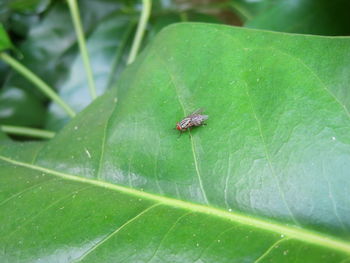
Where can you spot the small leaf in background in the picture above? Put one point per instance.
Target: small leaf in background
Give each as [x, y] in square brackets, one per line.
[5, 42]
[247, 10]
[14, 105]
[26, 6]
[19, 15]
[321, 17]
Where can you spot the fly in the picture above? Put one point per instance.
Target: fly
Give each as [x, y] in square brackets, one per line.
[193, 120]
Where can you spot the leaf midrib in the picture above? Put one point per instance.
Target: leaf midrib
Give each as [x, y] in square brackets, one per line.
[193, 147]
[292, 232]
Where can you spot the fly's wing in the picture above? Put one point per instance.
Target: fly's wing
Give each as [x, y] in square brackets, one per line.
[204, 117]
[198, 119]
[196, 112]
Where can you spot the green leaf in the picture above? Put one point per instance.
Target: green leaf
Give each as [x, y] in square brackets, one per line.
[19, 15]
[14, 105]
[28, 6]
[320, 17]
[5, 42]
[265, 180]
[53, 44]
[247, 9]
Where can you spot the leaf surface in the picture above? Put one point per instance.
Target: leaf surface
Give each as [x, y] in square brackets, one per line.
[266, 180]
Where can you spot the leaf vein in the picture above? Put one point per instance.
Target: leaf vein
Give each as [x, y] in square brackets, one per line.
[104, 142]
[301, 234]
[270, 249]
[45, 209]
[109, 236]
[25, 190]
[268, 158]
[167, 233]
[191, 137]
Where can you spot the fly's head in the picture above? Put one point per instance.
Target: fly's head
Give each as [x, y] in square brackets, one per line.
[178, 127]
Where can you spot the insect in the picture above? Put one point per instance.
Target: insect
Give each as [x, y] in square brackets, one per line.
[193, 120]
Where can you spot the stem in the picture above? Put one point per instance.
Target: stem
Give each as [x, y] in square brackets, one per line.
[243, 12]
[146, 11]
[74, 10]
[46, 89]
[183, 17]
[30, 132]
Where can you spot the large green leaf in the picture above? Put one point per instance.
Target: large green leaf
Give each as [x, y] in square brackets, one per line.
[267, 179]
